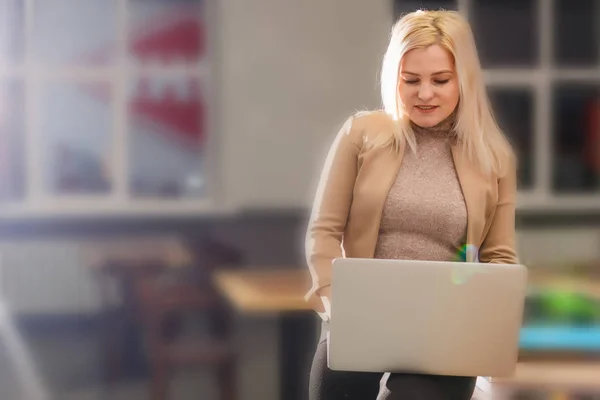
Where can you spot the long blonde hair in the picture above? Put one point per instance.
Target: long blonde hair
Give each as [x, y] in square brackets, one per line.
[479, 137]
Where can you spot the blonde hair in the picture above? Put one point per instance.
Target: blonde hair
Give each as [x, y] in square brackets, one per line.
[479, 137]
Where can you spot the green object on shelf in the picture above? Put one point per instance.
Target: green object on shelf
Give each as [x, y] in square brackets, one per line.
[564, 306]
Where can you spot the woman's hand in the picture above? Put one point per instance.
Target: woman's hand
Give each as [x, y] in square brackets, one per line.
[325, 295]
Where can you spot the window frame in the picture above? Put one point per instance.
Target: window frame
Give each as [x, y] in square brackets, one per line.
[118, 202]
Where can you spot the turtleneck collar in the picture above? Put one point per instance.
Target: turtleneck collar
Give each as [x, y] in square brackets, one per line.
[443, 128]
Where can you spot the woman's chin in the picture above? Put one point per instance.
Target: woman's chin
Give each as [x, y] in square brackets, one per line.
[425, 122]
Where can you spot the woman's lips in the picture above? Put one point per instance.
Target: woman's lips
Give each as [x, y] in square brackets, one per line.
[426, 109]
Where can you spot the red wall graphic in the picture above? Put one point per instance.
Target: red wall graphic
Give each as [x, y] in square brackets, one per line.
[174, 37]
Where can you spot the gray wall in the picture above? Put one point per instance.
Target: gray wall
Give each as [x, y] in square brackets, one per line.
[290, 73]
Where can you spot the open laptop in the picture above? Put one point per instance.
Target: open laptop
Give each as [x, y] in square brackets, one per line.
[439, 318]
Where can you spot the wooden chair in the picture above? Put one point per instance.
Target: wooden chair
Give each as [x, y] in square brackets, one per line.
[162, 298]
[119, 322]
[116, 264]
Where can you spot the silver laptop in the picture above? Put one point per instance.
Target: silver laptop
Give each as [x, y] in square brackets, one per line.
[439, 318]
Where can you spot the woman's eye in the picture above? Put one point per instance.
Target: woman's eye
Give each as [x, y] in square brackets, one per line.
[442, 82]
[411, 82]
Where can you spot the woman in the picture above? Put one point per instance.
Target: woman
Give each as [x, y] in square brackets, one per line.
[425, 177]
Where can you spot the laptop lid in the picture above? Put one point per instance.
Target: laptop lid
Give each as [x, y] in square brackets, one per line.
[441, 318]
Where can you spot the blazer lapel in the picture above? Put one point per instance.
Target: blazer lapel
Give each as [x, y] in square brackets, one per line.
[385, 164]
[469, 182]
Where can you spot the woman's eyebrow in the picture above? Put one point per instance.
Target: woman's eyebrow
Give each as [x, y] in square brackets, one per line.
[444, 71]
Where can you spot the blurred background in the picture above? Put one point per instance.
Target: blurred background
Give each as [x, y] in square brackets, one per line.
[158, 160]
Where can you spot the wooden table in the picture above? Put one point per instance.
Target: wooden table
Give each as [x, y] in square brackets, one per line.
[260, 291]
[278, 292]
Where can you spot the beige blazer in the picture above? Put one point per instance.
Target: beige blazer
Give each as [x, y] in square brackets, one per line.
[354, 186]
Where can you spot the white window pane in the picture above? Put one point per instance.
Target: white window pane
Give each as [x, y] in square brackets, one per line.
[166, 133]
[12, 141]
[80, 32]
[11, 31]
[75, 123]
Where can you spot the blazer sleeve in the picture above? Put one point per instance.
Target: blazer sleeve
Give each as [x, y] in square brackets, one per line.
[499, 246]
[330, 209]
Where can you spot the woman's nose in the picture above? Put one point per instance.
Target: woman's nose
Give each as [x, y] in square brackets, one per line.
[425, 92]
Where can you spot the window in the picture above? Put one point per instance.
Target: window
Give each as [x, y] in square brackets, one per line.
[490, 20]
[577, 36]
[405, 6]
[514, 110]
[543, 77]
[576, 145]
[106, 106]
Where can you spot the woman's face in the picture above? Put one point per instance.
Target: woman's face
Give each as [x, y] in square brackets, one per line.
[428, 85]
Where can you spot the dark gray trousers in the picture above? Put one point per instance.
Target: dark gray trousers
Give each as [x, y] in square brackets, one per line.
[326, 384]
